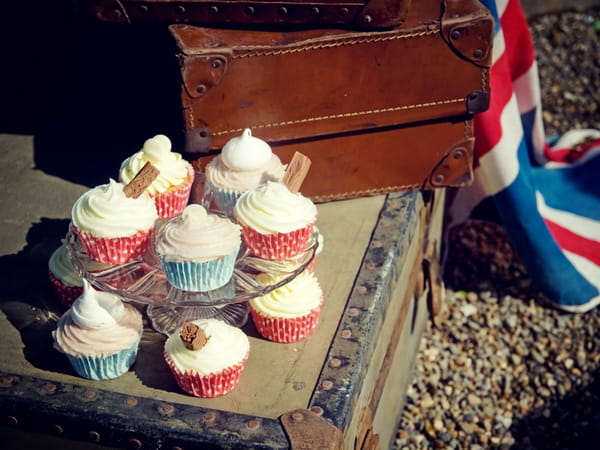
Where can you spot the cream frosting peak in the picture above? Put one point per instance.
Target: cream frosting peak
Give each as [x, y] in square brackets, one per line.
[156, 148]
[96, 309]
[246, 152]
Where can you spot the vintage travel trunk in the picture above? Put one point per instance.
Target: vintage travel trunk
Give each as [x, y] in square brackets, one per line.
[343, 387]
[376, 111]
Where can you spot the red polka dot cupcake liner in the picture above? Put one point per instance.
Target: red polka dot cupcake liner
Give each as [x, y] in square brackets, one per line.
[207, 386]
[172, 202]
[66, 294]
[278, 245]
[115, 250]
[286, 330]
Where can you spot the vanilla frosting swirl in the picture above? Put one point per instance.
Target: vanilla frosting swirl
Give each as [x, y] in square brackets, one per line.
[197, 236]
[157, 150]
[97, 324]
[271, 208]
[244, 163]
[226, 346]
[62, 267]
[107, 212]
[293, 299]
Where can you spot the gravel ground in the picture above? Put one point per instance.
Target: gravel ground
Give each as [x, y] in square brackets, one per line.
[503, 370]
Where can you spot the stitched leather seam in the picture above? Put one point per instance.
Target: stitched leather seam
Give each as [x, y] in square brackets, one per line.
[252, 51]
[343, 115]
[365, 192]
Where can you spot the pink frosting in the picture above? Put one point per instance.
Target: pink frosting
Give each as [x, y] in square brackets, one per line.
[103, 341]
[219, 175]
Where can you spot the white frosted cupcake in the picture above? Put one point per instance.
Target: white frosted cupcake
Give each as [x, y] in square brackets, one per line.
[244, 163]
[276, 223]
[198, 250]
[112, 227]
[99, 334]
[171, 189]
[289, 313]
[207, 357]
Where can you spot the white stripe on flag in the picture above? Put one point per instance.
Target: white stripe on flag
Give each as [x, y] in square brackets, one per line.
[587, 228]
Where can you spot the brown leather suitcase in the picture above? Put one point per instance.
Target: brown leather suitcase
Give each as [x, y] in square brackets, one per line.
[317, 13]
[376, 111]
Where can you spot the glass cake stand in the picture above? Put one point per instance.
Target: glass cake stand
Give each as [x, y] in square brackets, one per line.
[143, 281]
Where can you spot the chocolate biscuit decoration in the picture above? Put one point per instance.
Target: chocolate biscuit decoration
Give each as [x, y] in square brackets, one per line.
[192, 336]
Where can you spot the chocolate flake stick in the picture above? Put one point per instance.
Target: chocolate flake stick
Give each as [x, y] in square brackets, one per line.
[296, 171]
[141, 181]
[192, 336]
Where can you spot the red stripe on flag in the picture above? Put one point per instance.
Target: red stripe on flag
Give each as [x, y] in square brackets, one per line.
[575, 243]
[517, 39]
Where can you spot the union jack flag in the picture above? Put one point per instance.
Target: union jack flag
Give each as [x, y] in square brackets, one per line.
[546, 190]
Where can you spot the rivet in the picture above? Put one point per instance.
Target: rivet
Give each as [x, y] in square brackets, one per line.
[362, 290]
[367, 18]
[213, 10]
[315, 11]
[209, 416]
[353, 312]
[201, 89]
[135, 443]
[282, 11]
[473, 96]
[249, 10]
[458, 153]
[327, 384]
[12, 420]
[180, 9]
[455, 34]
[317, 410]
[216, 64]
[6, 379]
[252, 424]
[116, 13]
[335, 362]
[50, 387]
[344, 11]
[144, 8]
[346, 334]
[131, 401]
[439, 178]
[478, 53]
[167, 409]
[203, 134]
[57, 429]
[94, 436]
[297, 417]
[89, 394]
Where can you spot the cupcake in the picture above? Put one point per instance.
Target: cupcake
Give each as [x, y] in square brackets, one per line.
[198, 250]
[207, 357]
[289, 313]
[171, 189]
[276, 223]
[112, 227]
[99, 334]
[244, 163]
[65, 279]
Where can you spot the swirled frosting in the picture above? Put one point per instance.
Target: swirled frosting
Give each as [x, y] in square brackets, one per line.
[97, 324]
[106, 212]
[61, 266]
[244, 163]
[226, 346]
[271, 208]
[197, 236]
[293, 299]
[157, 150]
